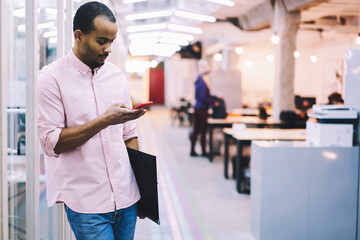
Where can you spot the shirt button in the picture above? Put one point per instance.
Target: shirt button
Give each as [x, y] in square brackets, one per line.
[108, 160]
[105, 140]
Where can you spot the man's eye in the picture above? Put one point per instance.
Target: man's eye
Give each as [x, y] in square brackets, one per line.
[101, 42]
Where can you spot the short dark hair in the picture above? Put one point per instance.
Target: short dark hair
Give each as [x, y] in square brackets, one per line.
[85, 15]
[335, 97]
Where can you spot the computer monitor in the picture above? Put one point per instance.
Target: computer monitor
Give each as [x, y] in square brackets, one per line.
[191, 51]
[304, 103]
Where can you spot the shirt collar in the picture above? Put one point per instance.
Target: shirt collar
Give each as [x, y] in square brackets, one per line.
[79, 65]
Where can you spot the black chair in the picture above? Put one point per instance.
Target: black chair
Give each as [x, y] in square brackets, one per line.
[219, 112]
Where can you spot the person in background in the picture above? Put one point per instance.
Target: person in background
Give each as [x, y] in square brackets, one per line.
[85, 124]
[335, 98]
[203, 101]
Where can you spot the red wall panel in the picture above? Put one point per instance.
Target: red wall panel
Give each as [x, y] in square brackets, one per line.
[157, 87]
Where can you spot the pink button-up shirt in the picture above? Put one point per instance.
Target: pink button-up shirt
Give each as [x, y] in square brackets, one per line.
[96, 177]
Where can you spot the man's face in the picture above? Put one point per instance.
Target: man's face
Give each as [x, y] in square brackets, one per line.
[95, 46]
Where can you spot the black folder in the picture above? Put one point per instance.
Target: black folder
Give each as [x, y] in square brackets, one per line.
[144, 167]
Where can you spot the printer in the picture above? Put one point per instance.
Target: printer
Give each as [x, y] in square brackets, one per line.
[331, 125]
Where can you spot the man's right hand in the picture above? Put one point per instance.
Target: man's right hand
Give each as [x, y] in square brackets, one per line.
[73, 137]
[118, 114]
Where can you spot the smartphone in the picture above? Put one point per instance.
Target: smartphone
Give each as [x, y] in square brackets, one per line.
[143, 105]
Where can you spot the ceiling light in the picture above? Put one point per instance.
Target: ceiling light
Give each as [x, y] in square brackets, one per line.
[45, 25]
[163, 37]
[176, 41]
[167, 46]
[249, 64]
[296, 54]
[21, 27]
[53, 40]
[51, 11]
[147, 15]
[158, 49]
[153, 63]
[239, 50]
[270, 58]
[313, 58]
[218, 57]
[165, 50]
[182, 28]
[133, 1]
[188, 37]
[275, 39]
[358, 38]
[144, 41]
[136, 66]
[136, 51]
[50, 34]
[19, 13]
[148, 27]
[224, 2]
[163, 53]
[144, 35]
[195, 16]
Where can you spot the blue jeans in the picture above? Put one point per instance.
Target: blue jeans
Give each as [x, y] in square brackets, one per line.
[117, 225]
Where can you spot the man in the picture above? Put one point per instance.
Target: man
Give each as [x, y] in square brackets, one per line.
[85, 125]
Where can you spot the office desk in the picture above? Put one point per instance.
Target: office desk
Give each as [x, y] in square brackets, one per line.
[250, 121]
[245, 136]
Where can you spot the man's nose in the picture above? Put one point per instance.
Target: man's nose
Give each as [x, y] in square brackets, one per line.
[108, 48]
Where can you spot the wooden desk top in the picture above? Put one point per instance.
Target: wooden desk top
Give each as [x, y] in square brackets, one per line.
[267, 134]
[241, 119]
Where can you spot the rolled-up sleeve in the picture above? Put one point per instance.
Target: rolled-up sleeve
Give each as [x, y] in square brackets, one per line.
[51, 117]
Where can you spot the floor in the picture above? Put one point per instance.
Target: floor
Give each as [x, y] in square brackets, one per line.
[195, 200]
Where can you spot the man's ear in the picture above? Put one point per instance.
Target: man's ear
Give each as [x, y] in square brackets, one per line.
[78, 35]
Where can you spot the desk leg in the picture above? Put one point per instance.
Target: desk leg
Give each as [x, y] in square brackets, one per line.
[226, 155]
[239, 169]
[211, 151]
[240, 166]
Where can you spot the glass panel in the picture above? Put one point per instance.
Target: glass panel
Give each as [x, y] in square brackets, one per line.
[16, 119]
[47, 28]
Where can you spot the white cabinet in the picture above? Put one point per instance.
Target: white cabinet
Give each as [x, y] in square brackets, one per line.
[301, 192]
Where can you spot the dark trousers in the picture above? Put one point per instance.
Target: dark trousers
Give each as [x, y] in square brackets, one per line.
[199, 127]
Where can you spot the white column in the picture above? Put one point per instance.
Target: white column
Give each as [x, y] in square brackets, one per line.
[288, 25]
[68, 25]
[225, 62]
[60, 46]
[68, 33]
[60, 51]
[32, 153]
[3, 124]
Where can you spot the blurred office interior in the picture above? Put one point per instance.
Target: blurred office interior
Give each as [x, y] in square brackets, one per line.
[272, 58]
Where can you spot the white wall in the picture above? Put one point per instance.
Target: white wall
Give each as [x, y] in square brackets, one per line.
[180, 78]
[139, 87]
[258, 78]
[311, 79]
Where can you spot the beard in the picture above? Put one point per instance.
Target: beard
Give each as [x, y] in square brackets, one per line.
[92, 57]
[97, 64]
